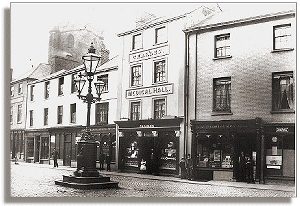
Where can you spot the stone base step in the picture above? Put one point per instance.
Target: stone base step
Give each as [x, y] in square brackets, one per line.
[85, 186]
[85, 180]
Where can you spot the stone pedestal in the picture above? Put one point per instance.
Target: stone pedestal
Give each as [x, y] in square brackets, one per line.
[86, 176]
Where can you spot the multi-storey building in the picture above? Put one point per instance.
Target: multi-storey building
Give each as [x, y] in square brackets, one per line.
[241, 95]
[57, 117]
[151, 125]
[18, 97]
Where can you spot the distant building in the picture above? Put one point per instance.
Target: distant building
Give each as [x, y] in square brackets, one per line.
[67, 46]
[241, 95]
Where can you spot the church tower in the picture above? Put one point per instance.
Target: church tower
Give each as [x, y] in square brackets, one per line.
[68, 45]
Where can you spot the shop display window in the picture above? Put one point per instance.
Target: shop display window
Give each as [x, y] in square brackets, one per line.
[30, 147]
[214, 151]
[131, 155]
[169, 156]
[274, 153]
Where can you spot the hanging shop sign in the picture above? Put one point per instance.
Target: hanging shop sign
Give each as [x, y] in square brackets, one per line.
[148, 54]
[149, 91]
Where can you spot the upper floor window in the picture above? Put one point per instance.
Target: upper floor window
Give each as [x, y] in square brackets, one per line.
[19, 116]
[31, 92]
[104, 78]
[160, 35]
[282, 37]
[160, 71]
[283, 91]
[135, 110]
[222, 46]
[31, 118]
[159, 108]
[47, 89]
[136, 41]
[61, 86]
[73, 113]
[12, 89]
[102, 113]
[222, 95]
[136, 75]
[46, 113]
[73, 85]
[59, 114]
[20, 88]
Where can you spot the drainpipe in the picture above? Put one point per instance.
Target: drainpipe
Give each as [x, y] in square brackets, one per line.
[186, 93]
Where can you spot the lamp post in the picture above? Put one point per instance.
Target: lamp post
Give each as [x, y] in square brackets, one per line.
[86, 175]
[87, 147]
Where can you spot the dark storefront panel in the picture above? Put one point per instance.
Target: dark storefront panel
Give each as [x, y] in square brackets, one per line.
[280, 150]
[217, 146]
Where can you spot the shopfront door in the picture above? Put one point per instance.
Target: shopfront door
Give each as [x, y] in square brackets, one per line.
[67, 150]
[37, 149]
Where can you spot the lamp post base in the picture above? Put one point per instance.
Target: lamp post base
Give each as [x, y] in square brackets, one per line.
[87, 176]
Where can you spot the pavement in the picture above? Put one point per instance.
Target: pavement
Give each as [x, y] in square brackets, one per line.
[273, 187]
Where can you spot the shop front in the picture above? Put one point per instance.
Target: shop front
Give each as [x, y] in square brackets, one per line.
[218, 146]
[154, 143]
[63, 140]
[37, 146]
[17, 144]
[280, 151]
[105, 136]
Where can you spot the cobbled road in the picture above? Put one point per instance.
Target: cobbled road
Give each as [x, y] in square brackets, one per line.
[29, 180]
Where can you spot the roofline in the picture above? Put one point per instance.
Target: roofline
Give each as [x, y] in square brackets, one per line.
[22, 79]
[240, 21]
[152, 25]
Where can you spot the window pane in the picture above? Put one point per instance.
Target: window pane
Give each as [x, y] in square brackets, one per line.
[222, 95]
[283, 91]
[222, 45]
[159, 108]
[282, 37]
[102, 113]
[136, 75]
[135, 111]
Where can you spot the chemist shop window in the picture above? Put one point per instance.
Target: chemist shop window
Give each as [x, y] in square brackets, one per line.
[283, 91]
[214, 151]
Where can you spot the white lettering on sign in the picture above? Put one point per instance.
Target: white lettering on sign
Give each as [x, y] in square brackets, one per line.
[282, 129]
[148, 54]
[150, 91]
[146, 125]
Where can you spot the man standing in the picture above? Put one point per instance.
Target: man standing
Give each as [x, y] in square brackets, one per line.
[189, 167]
[108, 161]
[55, 156]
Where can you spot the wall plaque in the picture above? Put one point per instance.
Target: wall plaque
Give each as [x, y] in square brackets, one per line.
[148, 54]
[149, 91]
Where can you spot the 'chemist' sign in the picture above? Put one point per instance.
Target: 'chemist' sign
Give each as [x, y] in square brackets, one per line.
[149, 91]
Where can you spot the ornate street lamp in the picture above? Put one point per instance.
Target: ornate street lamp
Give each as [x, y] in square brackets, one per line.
[87, 176]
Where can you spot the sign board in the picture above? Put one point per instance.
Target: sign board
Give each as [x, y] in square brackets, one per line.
[52, 139]
[149, 91]
[274, 162]
[148, 54]
[282, 129]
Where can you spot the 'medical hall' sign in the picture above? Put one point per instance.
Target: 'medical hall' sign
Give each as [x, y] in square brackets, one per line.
[150, 91]
[148, 54]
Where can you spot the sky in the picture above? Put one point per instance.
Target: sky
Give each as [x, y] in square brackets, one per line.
[31, 23]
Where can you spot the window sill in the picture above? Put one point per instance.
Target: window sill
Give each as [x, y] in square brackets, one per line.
[19, 122]
[104, 92]
[159, 83]
[136, 50]
[282, 50]
[160, 43]
[61, 95]
[225, 57]
[283, 111]
[221, 113]
[135, 86]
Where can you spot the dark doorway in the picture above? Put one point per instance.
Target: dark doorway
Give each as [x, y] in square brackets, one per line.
[67, 150]
[37, 149]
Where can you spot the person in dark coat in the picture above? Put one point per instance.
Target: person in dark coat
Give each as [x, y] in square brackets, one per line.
[189, 167]
[55, 156]
[108, 161]
[249, 170]
[101, 161]
[182, 165]
[242, 167]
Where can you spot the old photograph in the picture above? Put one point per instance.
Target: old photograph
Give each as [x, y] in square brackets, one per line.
[152, 100]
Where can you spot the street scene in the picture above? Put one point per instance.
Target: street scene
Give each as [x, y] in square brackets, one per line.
[160, 100]
[31, 180]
